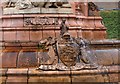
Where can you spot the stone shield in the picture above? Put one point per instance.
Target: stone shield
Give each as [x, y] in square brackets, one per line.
[68, 54]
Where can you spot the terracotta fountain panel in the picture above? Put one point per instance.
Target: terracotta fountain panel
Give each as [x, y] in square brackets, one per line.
[9, 59]
[17, 22]
[10, 36]
[27, 58]
[48, 33]
[23, 35]
[35, 35]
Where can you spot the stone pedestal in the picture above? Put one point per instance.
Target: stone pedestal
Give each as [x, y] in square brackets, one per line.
[79, 26]
[13, 27]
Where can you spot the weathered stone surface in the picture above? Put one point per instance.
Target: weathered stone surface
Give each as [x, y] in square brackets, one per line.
[0, 61]
[54, 10]
[48, 80]
[57, 33]
[47, 10]
[6, 22]
[114, 77]
[12, 44]
[79, 33]
[9, 59]
[48, 76]
[72, 22]
[34, 79]
[2, 80]
[34, 72]
[1, 35]
[83, 76]
[1, 11]
[16, 79]
[119, 56]
[96, 42]
[66, 10]
[87, 35]
[73, 33]
[48, 33]
[108, 41]
[116, 41]
[12, 49]
[115, 56]
[118, 77]
[114, 69]
[55, 79]
[8, 11]
[90, 23]
[10, 36]
[17, 22]
[16, 11]
[46, 58]
[36, 10]
[3, 72]
[23, 35]
[18, 71]
[104, 57]
[100, 47]
[35, 35]
[99, 35]
[106, 77]
[84, 72]
[87, 78]
[29, 45]
[27, 59]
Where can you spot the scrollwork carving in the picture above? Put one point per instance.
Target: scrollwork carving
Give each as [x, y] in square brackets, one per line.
[41, 21]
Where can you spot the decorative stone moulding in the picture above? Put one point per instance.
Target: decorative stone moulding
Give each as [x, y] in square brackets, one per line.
[30, 75]
[87, 27]
[37, 10]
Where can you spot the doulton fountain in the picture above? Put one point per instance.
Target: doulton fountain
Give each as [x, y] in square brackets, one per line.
[54, 42]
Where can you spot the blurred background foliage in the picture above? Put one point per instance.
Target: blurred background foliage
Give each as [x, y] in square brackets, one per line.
[111, 20]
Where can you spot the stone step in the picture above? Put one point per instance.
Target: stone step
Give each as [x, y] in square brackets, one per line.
[34, 43]
[31, 75]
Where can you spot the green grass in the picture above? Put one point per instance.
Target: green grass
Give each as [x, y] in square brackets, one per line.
[111, 20]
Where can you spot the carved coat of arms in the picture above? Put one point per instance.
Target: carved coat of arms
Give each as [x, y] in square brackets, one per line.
[68, 53]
